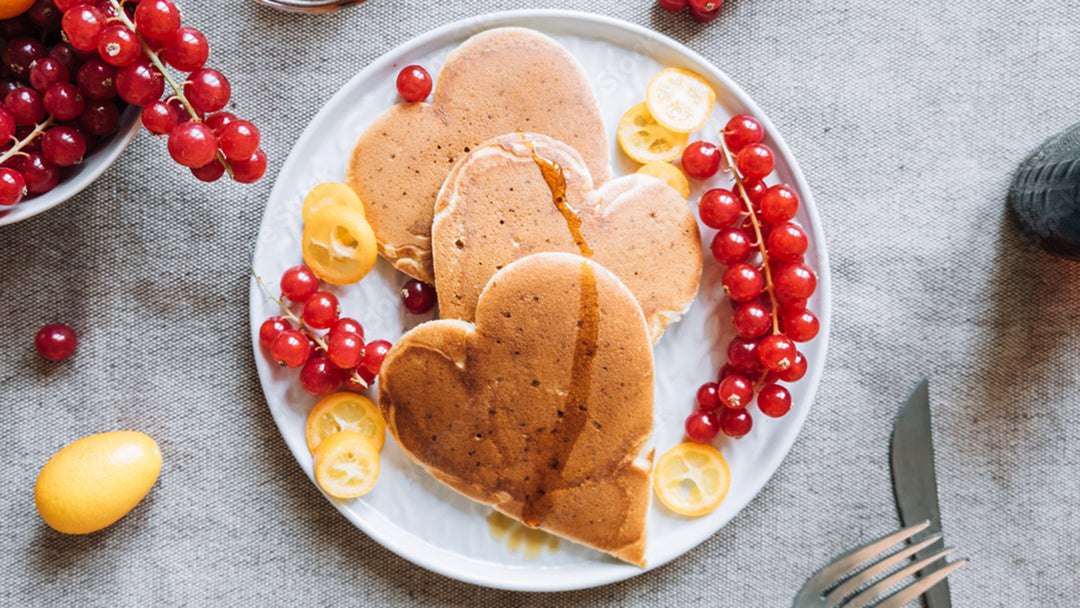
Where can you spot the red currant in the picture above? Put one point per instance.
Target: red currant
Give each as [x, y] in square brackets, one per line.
[55, 341]
[207, 90]
[238, 140]
[186, 50]
[701, 160]
[719, 208]
[702, 427]
[674, 5]
[291, 348]
[271, 329]
[319, 376]
[776, 352]
[25, 106]
[157, 19]
[374, 354]
[735, 423]
[751, 319]
[321, 310]
[46, 72]
[45, 15]
[742, 282]
[210, 172]
[345, 349]
[12, 186]
[64, 101]
[418, 297]
[159, 117]
[414, 83]
[787, 242]
[347, 324]
[119, 46]
[779, 204]
[796, 371]
[755, 191]
[250, 170]
[67, 55]
[736, 392]
[801, 325]
[742, 356]
[774, 400]
[20, 53]
[63, 146]
[7, 126]
[140, 83]
[731, 246]
[741, 131]
[794, 282]
[706, 398]
[725, 371]
[192, 144]
[755, 161]
[40, 175]
[704, 16]
[218, 121]
[299, 283]
[97, 79]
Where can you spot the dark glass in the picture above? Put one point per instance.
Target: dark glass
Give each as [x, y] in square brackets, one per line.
[1045, 194]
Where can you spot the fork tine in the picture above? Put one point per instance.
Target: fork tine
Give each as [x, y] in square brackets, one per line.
[856, 581]
[914, 590]
[866, 597]
[851, 560]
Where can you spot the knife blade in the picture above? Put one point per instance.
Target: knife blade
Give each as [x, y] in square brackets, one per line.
[914, 482]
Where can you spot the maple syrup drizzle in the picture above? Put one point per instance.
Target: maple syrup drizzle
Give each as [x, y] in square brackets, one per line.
[531, 543]
[571, 422]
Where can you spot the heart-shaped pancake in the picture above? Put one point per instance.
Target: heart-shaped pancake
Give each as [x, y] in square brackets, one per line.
[543, 408]
[499, 81]
[519, 194]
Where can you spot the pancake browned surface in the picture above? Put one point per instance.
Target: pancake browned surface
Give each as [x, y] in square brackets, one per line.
[500, 81]
[543, 408]
[498, 206]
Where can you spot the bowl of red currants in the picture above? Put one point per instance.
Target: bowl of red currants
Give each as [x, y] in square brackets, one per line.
[61, 120]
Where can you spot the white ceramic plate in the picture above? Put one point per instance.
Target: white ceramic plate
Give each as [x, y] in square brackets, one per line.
[408, 511]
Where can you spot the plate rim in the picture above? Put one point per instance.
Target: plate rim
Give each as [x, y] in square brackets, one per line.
[425, 554]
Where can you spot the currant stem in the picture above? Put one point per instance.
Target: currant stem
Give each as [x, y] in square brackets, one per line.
[178, 89]
[774, 311]
[19, 144]
[288, 314]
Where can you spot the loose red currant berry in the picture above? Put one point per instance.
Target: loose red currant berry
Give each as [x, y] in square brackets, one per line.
[735, 423]
[774, 400]
[46, 72]
[319, 376]
[801, 325]
[291, 348]
[25, 106]
[706, 397]
[731, 246]
[347, 324]
[40, 175]
[238, 140]
[701, 160]
[271, 329]
[794, 282]
[779, 204]
[796, 371]
[55, 341]
[186, 50]
[119, 46]
[97, 79]
[704, 16]
[321, 310]
[705, 6]
[159, 117]
[374, 353]
[702, 427]
[742, 282]
[63, 146]
[741, 131]
[736, 392]
[787, 242]
[751, 319]
[207, 90]
[755, 161]
[776, 352]
[192, 144]
[418, 297]
[250, 170]
[742, 356]
[719, 208]
[210, 172]
[140, 83]
[345, 349]
[64, 101]
[674, 5]
[157, 19]
[299, 283]
[414, 83]
[12, 186]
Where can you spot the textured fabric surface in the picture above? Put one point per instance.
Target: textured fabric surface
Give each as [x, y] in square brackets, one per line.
[907, 119]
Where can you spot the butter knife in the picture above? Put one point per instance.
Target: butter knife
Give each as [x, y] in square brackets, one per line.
[914, 482]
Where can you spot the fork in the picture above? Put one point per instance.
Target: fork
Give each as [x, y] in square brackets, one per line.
[831, 586]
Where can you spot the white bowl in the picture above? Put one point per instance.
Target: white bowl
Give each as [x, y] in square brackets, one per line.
[78, 177]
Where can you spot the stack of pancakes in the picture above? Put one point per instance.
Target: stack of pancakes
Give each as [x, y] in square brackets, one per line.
[533, 392]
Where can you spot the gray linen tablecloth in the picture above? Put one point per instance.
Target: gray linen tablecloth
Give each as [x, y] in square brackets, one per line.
[907, 119]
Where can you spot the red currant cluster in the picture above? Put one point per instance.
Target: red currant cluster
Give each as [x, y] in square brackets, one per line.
[702, 11]
[329, 348]
[766, 279]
